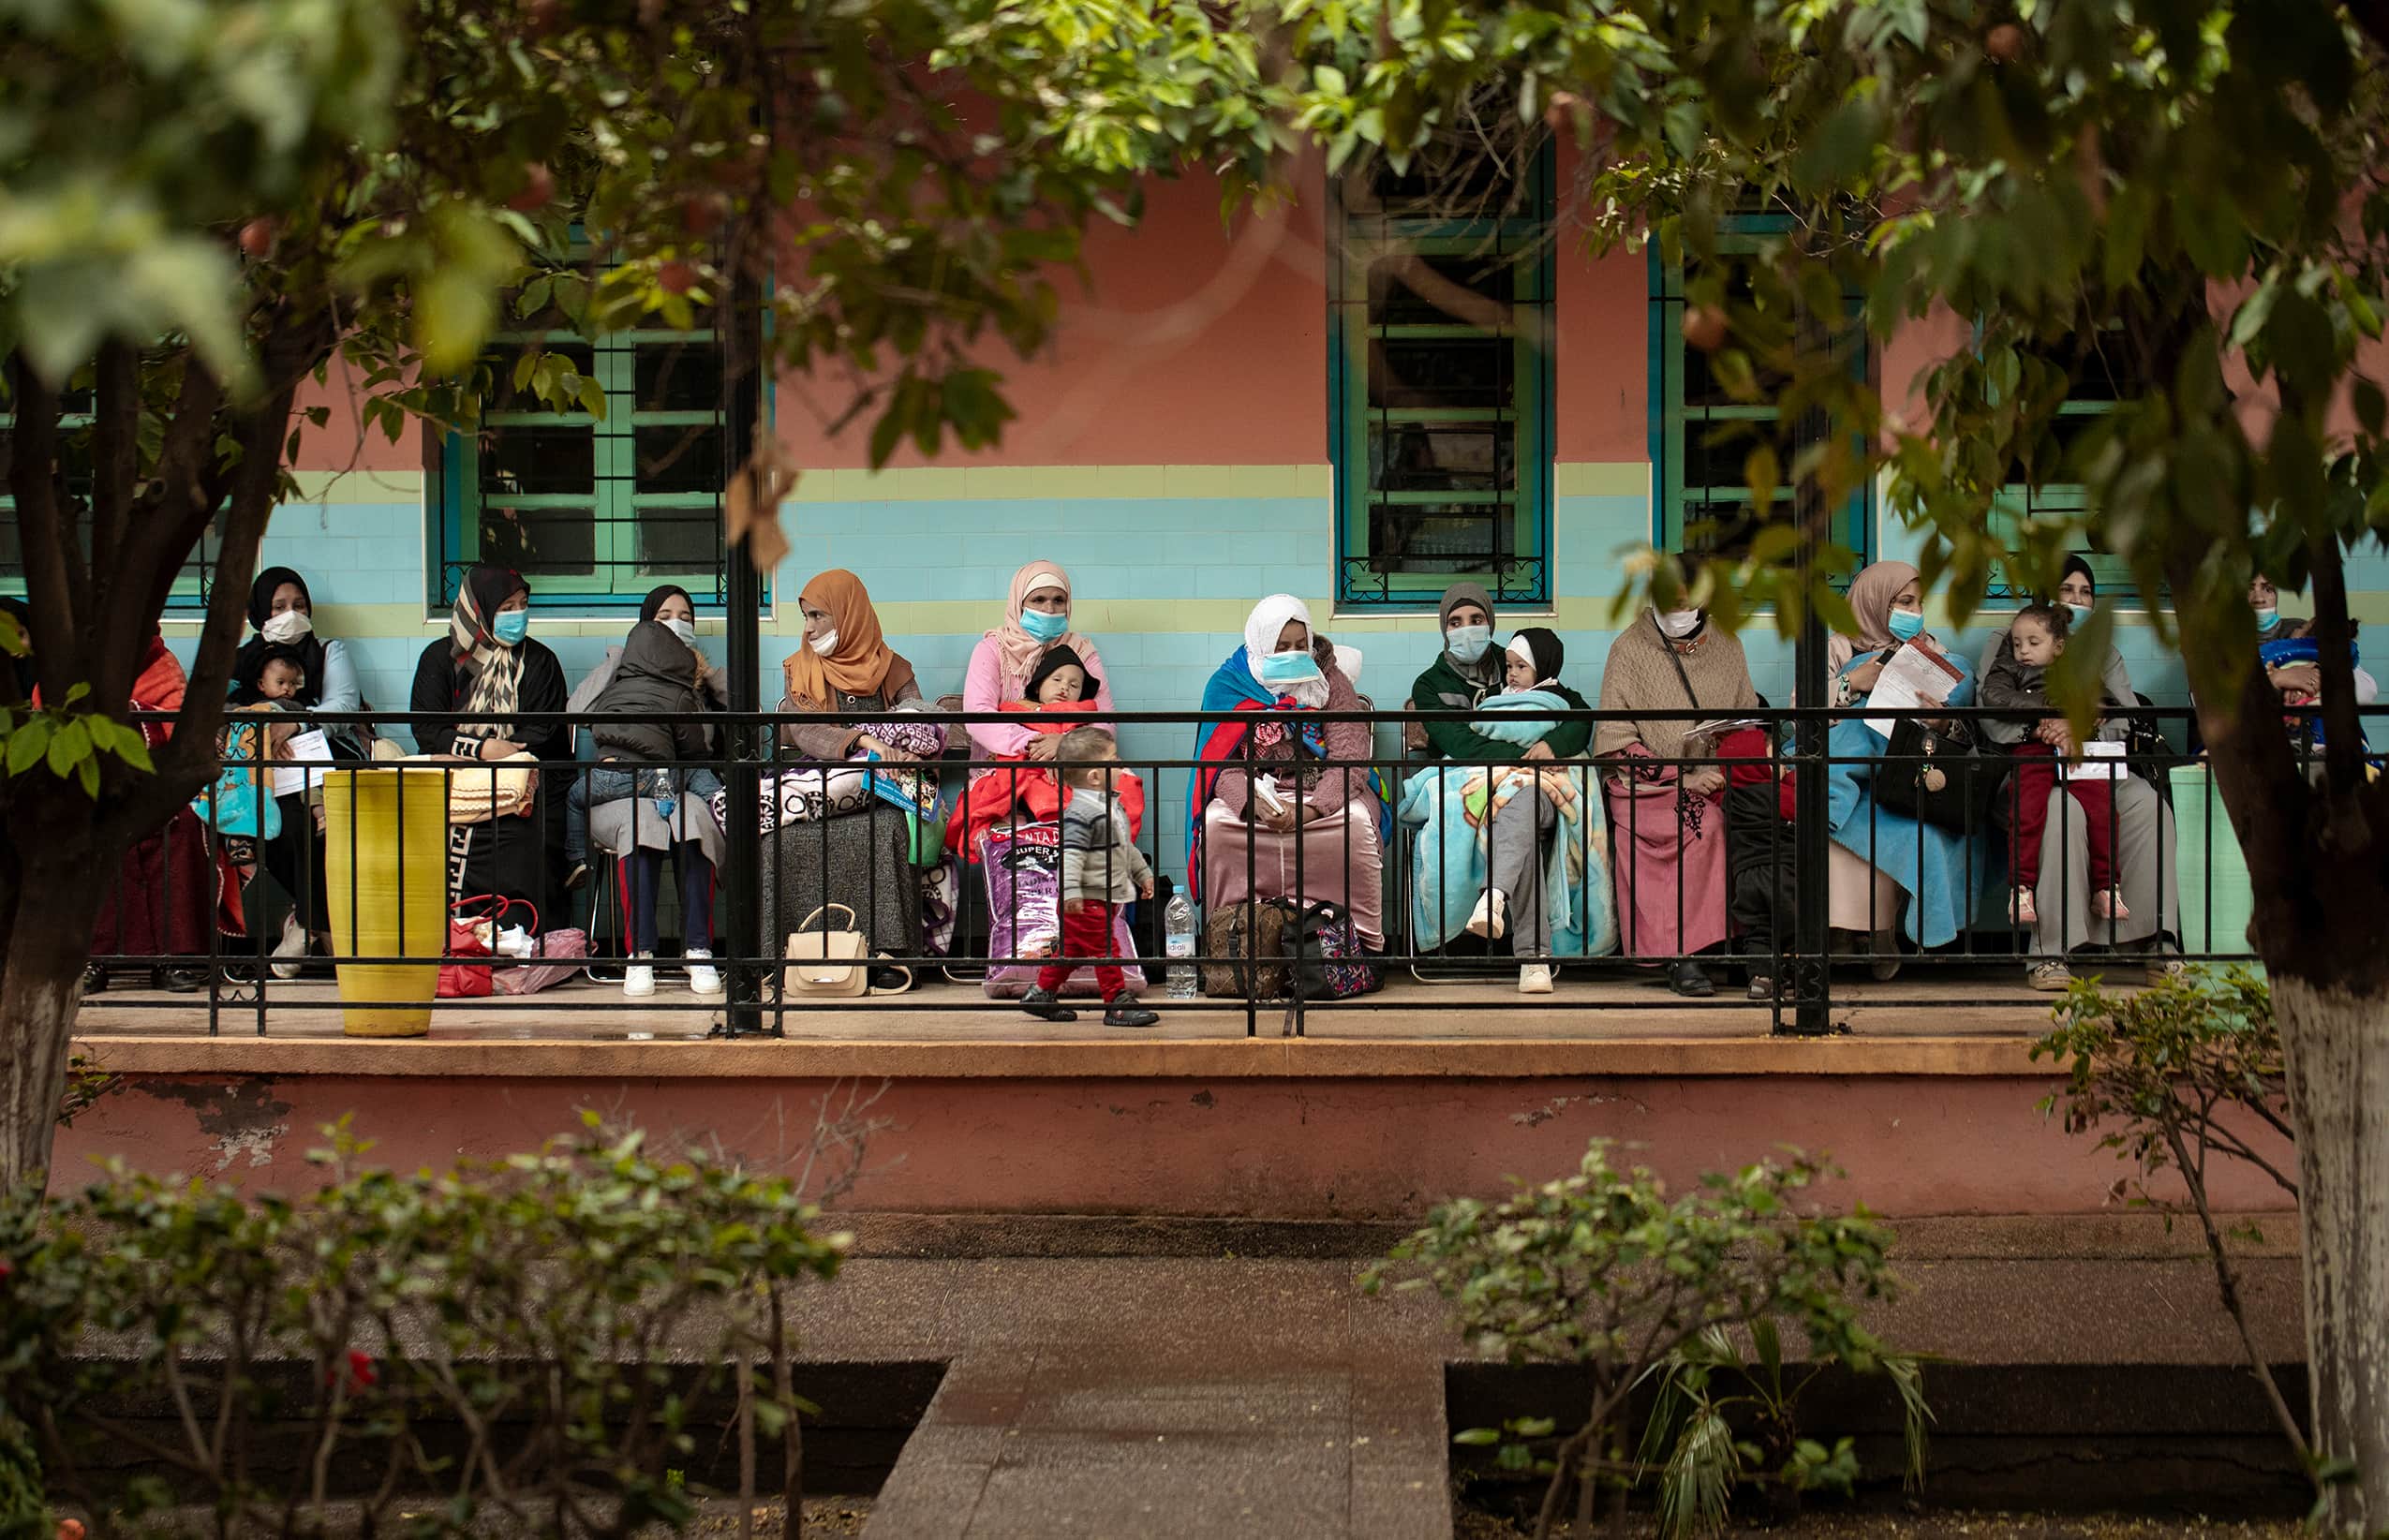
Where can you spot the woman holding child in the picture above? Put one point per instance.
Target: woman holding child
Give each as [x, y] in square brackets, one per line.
[1049, 680]
[1509, 839]
[1300, 828]
[2091, 861]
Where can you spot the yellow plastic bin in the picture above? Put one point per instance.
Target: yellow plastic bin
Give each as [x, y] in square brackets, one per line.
[383, 906]
[2217, 899]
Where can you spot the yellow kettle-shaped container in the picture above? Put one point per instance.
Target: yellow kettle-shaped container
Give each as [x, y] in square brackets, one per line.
[386, 873]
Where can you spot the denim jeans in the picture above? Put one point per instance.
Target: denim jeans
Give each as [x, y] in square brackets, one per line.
[596, 784]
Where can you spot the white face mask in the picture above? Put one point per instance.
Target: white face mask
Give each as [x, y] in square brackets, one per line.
[685, 629]
[288, 626]
[1680, 623]
[824, 644]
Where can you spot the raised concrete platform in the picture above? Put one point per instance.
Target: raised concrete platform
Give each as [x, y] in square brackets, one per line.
[1930, 1101]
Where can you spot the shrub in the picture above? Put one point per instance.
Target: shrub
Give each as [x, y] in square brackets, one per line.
[2172, 1078]
[516, 1346]
[1604, 1269]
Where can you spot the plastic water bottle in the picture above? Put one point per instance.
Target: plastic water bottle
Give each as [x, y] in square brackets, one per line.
[1178, 927]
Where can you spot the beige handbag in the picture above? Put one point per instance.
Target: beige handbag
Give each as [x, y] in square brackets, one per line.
[482, 789]
[828, 963]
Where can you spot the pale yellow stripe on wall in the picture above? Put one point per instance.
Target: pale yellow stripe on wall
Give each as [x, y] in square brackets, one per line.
[357, 486]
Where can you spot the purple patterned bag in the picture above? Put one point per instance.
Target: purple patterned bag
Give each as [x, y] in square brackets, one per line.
[1023, 867]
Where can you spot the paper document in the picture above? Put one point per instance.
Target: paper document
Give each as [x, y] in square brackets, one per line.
[1915, 680]
[311, 754]
[2100, 761]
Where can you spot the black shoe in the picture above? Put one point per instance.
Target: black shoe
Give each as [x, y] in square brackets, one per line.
[891, 981]
[178, 981]
[1123, 1011]
[578, 876]
[1045, 1005]
[1687, 979]
[95, 979]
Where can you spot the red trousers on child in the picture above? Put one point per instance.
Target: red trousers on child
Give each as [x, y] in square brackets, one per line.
[2036, 775]
[1085, 933]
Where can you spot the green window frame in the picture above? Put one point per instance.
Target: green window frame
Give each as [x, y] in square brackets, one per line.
[594, 511]
[189, 592]
[1696, 482]
[1440, 427]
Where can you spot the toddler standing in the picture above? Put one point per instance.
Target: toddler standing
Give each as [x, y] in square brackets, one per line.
[2018, 682]
[1102, 868]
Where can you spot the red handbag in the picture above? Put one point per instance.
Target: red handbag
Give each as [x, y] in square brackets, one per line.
[469, 935]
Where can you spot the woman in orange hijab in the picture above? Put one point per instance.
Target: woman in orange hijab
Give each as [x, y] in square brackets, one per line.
[857, 854]
[844, 665]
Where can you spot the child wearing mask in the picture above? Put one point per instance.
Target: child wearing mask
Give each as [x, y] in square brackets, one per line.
[1102, 869]
[2018, 681]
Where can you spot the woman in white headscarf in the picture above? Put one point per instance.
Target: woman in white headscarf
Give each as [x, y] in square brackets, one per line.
[1317, 794]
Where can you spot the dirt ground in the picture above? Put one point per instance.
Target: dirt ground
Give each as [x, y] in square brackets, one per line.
[825, 1517]
[1942, 1526]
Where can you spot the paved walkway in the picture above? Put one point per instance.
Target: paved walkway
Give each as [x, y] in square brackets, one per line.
[1255, 1399]
[1258, 1399]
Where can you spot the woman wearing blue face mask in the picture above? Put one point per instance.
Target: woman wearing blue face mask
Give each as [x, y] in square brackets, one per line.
[1036, 620]
[488, 666]
[1924, 877]
[1468, 668]
[1242, 837]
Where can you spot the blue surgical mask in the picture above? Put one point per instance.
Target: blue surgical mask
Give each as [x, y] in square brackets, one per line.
[1467, 644]
[1043, 627]
[511, 626]
[1288, 668]
[2081, 613]
[1904, 624]
[2267, 617]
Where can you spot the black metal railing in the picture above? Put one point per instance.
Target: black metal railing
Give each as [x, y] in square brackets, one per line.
[1374, 863]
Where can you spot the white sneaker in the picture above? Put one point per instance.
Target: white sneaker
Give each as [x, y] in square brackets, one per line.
[638, 980]
[1534, 979]
[293, 945]
[1491, 917]
[701, 979]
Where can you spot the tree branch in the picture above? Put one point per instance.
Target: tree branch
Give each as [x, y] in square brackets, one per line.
[54, 590]
[115, 460]
[2343, 741]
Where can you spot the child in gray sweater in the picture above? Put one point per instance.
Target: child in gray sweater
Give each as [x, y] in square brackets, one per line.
[1102, 869]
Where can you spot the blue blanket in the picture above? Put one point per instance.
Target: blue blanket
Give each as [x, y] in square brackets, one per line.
[1940, 871]
[1512, 725]
[1451, 807]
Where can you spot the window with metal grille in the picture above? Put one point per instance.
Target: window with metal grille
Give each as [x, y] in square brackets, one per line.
[2099, 373]
[1702, 436]
[596, 508]
[1440, 381]
[74, 452]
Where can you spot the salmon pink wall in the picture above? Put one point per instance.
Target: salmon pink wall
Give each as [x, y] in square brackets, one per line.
[1195, 343]
[1602, 370]
[342, 444]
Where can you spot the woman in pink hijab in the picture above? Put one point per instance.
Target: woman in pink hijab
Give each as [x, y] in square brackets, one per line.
[1036, 620]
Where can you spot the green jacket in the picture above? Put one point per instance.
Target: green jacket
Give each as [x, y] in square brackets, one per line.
[1443, 687]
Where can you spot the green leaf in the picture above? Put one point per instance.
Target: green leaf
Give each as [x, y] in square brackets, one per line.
[27, 743]
[69, 746]
[1477, 1437]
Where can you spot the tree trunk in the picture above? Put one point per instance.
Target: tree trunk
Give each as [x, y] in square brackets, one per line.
[49, 939]
[2336, 1043]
